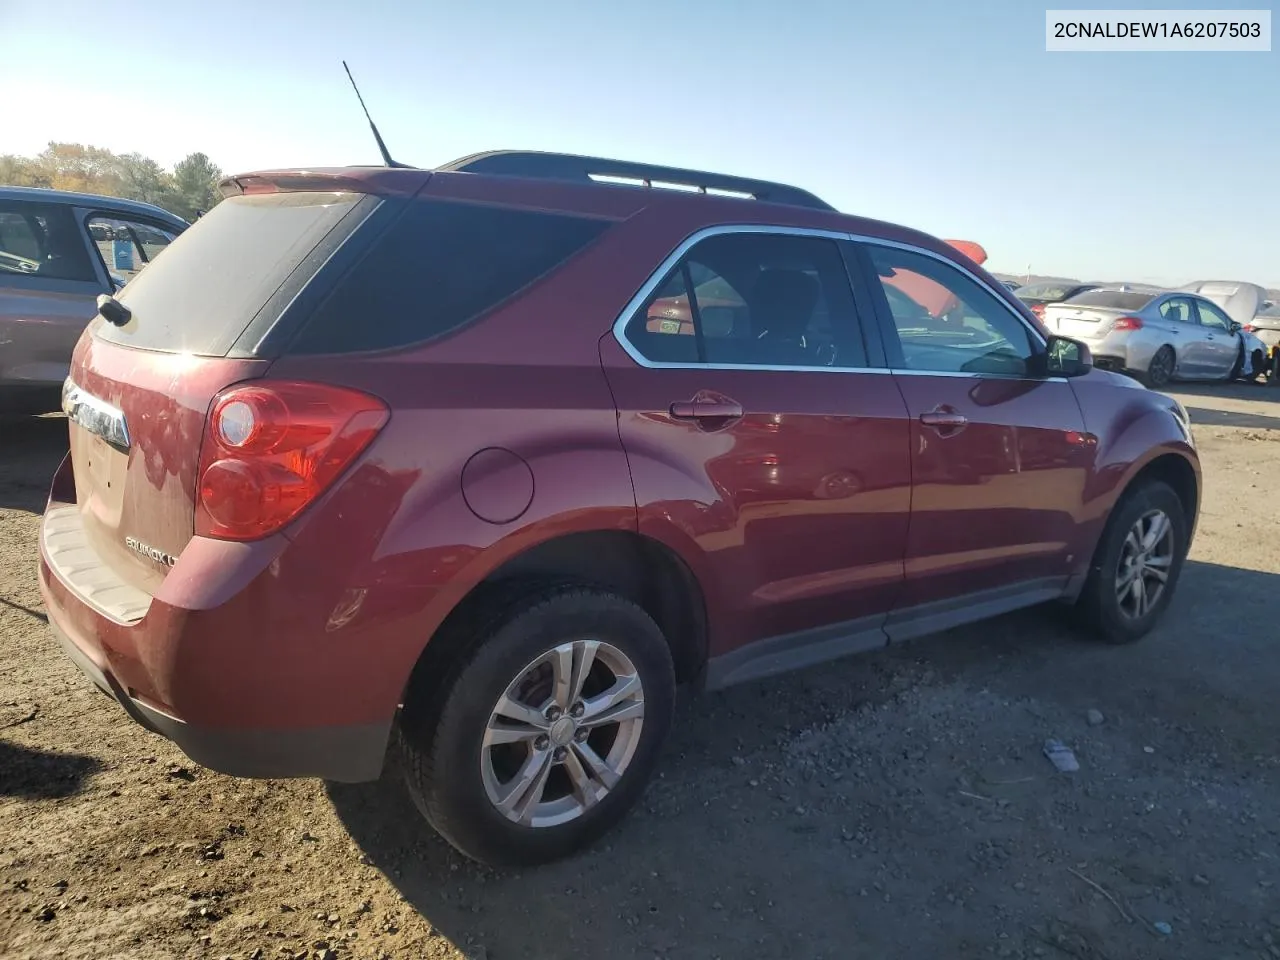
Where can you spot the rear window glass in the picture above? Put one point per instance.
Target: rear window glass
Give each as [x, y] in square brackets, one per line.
[1116, 299]
[1046, 291]
[440, 265]
[202, 290]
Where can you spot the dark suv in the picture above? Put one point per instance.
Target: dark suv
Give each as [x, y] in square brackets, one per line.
[483, 461]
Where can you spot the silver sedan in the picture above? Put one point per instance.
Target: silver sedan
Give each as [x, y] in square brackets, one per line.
[1266, 325]
[1157, 336]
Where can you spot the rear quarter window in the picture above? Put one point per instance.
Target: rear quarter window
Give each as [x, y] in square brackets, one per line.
[439, 266]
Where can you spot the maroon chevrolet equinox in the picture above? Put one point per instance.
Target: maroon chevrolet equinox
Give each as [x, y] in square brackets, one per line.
[473, 466]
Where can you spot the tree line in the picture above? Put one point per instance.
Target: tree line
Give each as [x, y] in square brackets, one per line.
[189, 189]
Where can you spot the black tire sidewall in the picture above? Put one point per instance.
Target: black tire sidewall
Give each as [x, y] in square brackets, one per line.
[454, 798]
[1113, 625]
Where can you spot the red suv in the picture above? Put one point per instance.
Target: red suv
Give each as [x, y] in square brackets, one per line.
[387, 456]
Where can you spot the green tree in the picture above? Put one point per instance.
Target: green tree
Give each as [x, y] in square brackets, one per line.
[195, 186]
[141, 178]
[191, 188]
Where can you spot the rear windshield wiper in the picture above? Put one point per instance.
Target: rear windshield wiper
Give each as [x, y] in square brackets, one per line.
[112, 310]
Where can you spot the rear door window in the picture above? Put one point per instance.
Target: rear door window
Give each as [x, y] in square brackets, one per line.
[441, 265]
[1177, 310]
[42, 241]
[214, 278]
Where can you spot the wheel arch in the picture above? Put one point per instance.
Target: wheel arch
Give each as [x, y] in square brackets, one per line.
[635, 566]
[1167, 466]
[1175, 471]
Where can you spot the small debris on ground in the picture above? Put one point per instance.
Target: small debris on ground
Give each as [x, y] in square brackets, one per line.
[1060, 756]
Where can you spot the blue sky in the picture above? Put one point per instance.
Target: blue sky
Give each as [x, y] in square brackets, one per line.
[1156, 167]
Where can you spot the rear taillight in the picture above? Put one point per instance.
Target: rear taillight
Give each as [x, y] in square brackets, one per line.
[1249, 328]
[271, 448]
[1127, 323]
[1038, 310]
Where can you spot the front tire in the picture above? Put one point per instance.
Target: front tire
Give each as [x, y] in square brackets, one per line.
[1136, 565]
[548, 732]
[1259, 370]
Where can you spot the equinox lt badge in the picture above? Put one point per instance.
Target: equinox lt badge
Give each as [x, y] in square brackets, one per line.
[150, 552]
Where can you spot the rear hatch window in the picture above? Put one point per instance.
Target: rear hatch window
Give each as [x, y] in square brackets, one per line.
[204, 290]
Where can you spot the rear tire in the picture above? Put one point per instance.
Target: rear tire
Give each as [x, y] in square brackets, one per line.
[466, 753]
[1160, 371]
[1111, 605]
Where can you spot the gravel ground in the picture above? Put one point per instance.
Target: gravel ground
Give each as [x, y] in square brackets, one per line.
[893, 805]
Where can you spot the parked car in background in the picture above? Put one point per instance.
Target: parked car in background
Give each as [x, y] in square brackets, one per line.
[480, 462]
[1238, 299]
[1159, 337]
[1039, 295]
[58, 252]
[1241, 301]
[1265, 325]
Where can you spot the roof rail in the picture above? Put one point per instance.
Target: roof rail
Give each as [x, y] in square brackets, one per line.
[564, 166]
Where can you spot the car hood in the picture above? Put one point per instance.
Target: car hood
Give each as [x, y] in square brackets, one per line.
[1239, 300]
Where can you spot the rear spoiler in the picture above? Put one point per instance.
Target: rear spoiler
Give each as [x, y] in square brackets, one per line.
[384, 181]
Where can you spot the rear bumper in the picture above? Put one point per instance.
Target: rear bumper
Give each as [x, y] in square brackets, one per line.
[1109, 362]
[350, 754]
[236, 659]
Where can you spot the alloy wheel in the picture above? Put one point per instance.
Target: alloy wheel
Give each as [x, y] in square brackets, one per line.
[1146, 559]
[562, 734]
[1161, 370]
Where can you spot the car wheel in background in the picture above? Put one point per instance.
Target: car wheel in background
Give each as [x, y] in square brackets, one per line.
[1259, 368]
[548, 730]
[1160, 370]
[1137, 564]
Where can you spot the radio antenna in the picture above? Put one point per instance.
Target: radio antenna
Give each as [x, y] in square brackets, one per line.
[382, 147]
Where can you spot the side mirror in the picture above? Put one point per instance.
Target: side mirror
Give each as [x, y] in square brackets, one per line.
[1067, 358]
[1235, 327]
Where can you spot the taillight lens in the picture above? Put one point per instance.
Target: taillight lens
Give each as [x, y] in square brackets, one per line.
[1127, 323]
[271, 448]
[1249, 328]
[1038, 310]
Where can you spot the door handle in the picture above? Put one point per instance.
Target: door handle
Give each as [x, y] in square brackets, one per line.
[706, 410]
[945, 420]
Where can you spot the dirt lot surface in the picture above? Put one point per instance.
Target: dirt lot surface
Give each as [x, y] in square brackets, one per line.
[895, 805]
